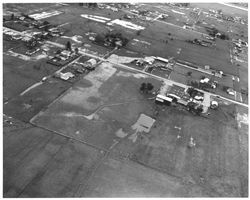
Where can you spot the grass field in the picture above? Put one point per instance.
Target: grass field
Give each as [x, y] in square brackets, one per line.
[217, 58]
[99, 90]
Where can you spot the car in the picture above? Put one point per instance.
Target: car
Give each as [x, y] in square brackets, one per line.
[231, 91]
[44, 79]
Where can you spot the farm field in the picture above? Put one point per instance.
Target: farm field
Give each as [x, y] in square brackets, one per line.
[44, 164]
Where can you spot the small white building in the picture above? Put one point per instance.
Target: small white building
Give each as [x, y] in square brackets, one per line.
[162, 59]
[91, 61]
[214, 104]
[205, 80]
[163, 99]
[66, 76]
[231, 91]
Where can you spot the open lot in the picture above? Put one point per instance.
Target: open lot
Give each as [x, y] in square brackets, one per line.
[26, 106]
[19, 74]
[81, 108]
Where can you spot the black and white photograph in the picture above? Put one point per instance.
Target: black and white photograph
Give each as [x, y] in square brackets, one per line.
[125, 99]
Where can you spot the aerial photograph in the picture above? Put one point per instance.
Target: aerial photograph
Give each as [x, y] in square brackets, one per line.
[125, 99]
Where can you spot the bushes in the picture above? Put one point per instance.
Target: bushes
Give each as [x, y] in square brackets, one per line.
[111, 39]
[224, 37]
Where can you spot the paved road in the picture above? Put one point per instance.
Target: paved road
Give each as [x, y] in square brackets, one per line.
[234, 6]
[161, 78]
[47, 77]
[152, 75]
[170, 24]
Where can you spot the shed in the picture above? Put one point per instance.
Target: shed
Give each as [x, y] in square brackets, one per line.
[183, 102]
[162, 59]
[163, 99]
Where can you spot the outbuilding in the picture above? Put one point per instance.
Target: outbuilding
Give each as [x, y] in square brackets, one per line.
[163, 100]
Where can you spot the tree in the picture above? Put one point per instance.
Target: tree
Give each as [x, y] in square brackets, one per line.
[199, 110]
[189, 73]
[224, 37]
[191, 91]
[46, 28]
[12, 16]
[99, 39]
[219, 11]
[68, 46]
[143, 87]
[94, 5]
[185, 4]
[150, 87]
[76, 50]
[58, 51]
[45, 23]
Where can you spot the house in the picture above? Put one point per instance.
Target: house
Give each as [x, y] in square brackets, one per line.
[207, 67]
[92, 61]
[214, 105]
[231, 91]
[140, 62]
[182, 101]
[163, 16]
[66, 76]
[149, 59]
[90, 64]
[26, 39]
[198, 98]
[21, 18]
[65, 53]
[31, 52]
[205, 80]
[176, 91]
[118, 43]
